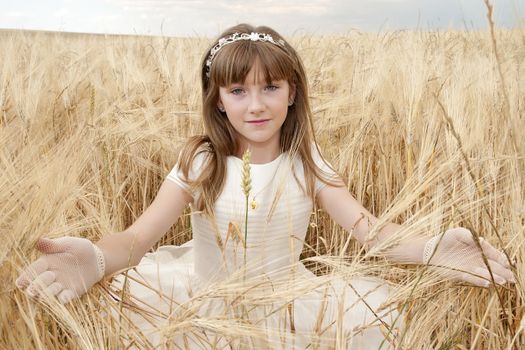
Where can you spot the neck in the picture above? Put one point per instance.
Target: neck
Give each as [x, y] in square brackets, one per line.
[260, 154]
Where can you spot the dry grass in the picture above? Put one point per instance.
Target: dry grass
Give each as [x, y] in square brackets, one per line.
[420, 123]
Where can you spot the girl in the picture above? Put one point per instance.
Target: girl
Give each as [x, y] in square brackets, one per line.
[255, 107]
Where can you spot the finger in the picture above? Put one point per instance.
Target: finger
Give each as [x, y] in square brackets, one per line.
[65, 296]
[494, 254]
[504, 272]
[53, 289]
[51, 246]
[462, 234]
[485, 274]
[467, 238]
[29, 274]
[42, 281]
[490, 252]
[473, 278]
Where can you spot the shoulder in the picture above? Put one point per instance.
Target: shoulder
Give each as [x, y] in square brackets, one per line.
[319, 160]
[194, 152]
[193, 157]
[325, 173]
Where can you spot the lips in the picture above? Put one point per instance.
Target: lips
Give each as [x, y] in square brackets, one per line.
[258, 122]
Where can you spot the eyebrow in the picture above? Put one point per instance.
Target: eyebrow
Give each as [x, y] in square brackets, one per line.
[263, 82]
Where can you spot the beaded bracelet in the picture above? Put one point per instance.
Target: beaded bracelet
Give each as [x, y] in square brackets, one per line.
[101, 262]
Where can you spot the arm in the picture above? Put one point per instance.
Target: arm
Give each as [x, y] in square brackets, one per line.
[72, 265]
[126, 248]
[455, 254]
[346, 211]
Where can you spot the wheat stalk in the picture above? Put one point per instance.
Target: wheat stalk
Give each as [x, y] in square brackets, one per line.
[246, 188]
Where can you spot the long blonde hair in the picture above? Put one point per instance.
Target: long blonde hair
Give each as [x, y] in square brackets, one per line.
[231, 65]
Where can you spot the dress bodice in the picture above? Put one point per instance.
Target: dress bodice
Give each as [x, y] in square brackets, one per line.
[276, 228]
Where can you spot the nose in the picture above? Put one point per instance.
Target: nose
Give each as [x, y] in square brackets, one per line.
[256, 103]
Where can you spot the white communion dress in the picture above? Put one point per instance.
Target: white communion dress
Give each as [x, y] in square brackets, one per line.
[207, 293]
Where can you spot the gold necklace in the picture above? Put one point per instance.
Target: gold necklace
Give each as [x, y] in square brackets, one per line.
[253, 203]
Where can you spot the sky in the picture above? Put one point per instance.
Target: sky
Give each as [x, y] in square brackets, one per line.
[209, 18]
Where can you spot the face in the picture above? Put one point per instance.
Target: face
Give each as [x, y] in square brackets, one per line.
[257, 110]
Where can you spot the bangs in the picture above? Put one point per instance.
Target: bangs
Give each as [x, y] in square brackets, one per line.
[233, 63]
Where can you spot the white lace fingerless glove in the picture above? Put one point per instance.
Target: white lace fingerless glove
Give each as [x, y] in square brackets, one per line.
[458, 255]
[68, 268]
[431, 245]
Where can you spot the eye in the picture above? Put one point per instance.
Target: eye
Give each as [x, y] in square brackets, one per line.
[272, 87]
[236, 91]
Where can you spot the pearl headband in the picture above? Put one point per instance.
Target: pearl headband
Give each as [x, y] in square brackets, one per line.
[236, 37]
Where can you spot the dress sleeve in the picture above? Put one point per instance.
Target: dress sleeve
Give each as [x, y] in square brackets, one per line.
[177, 176]
[327, 171]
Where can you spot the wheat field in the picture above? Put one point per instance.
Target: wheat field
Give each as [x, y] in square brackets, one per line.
[426, 127]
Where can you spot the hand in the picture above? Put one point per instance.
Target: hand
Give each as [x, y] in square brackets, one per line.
[456, 255]
[68, 268]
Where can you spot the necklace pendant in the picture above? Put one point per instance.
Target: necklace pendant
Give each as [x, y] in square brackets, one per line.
[253, 204]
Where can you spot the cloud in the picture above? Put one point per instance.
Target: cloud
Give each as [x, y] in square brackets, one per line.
[18, 14]
[278, 8]
[199, 17]
[157, 5]
[232, 6]
[107, 18]
[61, 12]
